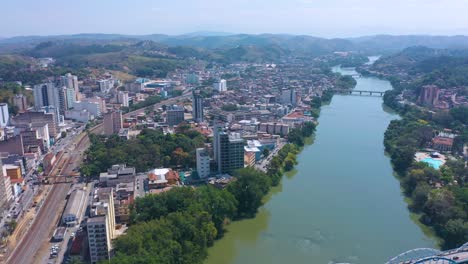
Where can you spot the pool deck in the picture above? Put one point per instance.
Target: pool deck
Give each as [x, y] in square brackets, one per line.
[420, 156]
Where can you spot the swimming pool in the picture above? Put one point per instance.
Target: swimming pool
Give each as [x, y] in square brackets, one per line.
[433, 162]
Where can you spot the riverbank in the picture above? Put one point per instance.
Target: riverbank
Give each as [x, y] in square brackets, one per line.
[435, 194]
[340, 203]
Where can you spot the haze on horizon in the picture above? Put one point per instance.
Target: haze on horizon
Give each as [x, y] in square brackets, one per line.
[330, 18]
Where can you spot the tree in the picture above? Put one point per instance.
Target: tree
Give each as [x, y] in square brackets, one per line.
[455, 233]
[249, 188]
[229, 107]
[295, 136]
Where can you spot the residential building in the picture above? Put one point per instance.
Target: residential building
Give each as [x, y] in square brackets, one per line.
[112, 122]
[122, 98]
[197, 107]
[94, 106]
[203, 163]
[118, 173]
[101, 225]
[41, 129]
[274, 128]
[12, 145]
[289, 96]
[21, 102]
[161, 178]
[31, 141]
[174, 115]
[78, 115]
[46, 94]
[228, 150]
[6, 195]
[429, 95]
[220, 86]
[4, 115]
[105, 85]
[249, 159]
[71, 82]
[38, 118]
[70, 94]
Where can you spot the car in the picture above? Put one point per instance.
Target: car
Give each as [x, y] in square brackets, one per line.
[72, 235]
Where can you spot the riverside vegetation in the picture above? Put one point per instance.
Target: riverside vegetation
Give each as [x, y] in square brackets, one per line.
[439, 196]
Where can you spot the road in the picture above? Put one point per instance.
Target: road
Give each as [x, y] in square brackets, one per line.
[263, 165]
[46, 220]
[35, 244]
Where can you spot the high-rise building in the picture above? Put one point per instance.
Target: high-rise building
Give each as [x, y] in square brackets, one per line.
[71, 98]
[122, 97]
[228, 150]
[21, 102]
[4, 115]
[203, 163]
[71, 82]
[429, 95]
[46, 94]
[112, 122]
[289, 96]
[220, 86]
[105, 85]
[6, 195]
[174, 115]
[197, 107]
[63, 100]
[101, 225]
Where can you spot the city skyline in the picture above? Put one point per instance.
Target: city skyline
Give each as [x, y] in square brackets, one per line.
[336, 18]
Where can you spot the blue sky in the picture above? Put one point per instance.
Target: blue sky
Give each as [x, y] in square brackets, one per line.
[325, 18]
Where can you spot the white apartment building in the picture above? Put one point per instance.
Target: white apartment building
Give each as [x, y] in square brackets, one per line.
[203, 163]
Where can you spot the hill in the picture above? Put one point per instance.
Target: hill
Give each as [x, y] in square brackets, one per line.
[385, 44]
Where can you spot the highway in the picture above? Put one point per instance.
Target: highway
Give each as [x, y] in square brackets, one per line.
[35, 244]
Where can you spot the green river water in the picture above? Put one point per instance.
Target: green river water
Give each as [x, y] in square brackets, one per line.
[341, 205]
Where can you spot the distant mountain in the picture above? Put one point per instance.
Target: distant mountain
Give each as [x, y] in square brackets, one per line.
[207, 34]
[300, 44]
[421, 59]
[391, 44]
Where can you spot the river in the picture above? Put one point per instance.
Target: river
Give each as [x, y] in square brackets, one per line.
[342, 204]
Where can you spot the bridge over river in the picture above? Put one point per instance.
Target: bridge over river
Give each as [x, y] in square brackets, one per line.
[359, 92]
[432, 256]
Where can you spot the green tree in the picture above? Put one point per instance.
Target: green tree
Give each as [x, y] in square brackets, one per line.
[249, 188]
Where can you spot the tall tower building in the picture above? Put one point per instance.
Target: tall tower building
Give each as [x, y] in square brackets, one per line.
[197, 107]
[228, 150]
[122, 97]
[71, 82]
[203, 163]
[4, 115]
[46, 94]
[112, 122]
[20, 101]
[429, 95]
